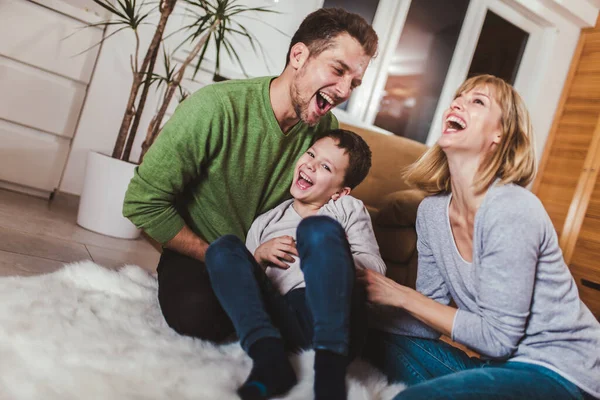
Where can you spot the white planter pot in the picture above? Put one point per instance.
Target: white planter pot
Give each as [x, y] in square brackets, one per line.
[101, 203]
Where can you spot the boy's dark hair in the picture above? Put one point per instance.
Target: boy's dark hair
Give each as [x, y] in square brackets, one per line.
[320, 27]
[359, 154]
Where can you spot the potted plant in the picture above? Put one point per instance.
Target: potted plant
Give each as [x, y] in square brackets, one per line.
[209, 21]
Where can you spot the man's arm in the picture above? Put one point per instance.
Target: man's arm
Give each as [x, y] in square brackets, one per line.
[176, 158]
[188, 243]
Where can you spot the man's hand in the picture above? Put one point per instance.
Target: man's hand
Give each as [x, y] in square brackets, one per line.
[275, 251]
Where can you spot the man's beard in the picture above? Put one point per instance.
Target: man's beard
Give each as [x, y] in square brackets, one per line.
[301, 105]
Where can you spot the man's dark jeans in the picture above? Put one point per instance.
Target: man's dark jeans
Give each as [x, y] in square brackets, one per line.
[318, 316]
[187, 300]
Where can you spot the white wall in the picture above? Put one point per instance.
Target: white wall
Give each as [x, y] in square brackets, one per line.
[109, 89]
[104, 107]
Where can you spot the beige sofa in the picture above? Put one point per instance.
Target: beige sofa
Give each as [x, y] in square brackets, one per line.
[391, 203]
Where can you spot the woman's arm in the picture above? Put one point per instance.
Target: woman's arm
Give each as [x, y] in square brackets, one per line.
[382, 290]
[511, 231]
[425, 311]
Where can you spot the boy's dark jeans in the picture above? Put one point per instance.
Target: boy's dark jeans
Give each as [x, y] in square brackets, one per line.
[318, 316]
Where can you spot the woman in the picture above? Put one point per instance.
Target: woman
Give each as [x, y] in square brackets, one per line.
[485, 242]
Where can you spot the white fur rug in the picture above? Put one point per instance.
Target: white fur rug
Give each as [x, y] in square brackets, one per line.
[88, 332]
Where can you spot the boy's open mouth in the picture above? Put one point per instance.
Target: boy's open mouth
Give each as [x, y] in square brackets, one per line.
[303, 181]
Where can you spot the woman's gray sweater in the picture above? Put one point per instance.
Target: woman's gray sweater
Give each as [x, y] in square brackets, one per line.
[517, 300]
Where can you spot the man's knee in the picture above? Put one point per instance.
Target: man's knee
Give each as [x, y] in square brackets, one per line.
[198, 315]
[318, 228]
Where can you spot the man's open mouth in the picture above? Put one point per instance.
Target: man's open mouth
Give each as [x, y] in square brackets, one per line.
[324, 102]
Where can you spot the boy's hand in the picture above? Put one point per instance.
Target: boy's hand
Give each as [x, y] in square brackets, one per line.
[275, 251]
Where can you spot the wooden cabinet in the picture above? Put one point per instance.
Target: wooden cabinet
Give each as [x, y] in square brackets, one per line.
[568, 183]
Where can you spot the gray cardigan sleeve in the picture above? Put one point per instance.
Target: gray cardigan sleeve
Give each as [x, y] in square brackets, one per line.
[430, 283]
[253, 236]
[510, 232]
[359, 230]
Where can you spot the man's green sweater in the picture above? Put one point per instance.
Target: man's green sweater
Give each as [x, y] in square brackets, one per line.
[219, 162]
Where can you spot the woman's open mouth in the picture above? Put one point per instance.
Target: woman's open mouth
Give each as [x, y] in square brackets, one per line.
[454, 124]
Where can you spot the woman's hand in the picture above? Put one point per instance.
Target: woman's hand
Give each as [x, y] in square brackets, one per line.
[380, 289]
[275, 251]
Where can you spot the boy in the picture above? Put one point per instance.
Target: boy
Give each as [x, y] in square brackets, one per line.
[310, 302]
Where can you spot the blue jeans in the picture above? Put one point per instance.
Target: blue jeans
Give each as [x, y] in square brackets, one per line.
[318, 316]
[433, 369]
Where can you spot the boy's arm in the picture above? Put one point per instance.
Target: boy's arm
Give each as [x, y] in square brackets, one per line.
[175, 159]
[276, 252]
[253, 236]
[361, 237]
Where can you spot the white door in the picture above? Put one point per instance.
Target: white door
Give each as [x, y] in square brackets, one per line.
[43, 82]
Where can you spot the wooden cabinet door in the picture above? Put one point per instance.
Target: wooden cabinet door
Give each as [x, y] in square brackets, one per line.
[585, 257]
[567, 183]
[572, 133]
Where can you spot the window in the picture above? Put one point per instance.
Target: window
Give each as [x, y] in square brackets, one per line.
[418, 69]
[499, 49]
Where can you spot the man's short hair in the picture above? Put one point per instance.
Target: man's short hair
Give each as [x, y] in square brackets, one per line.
[321, 27]
[359, 154]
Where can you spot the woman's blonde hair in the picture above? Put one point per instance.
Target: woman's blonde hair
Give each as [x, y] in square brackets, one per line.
[513, 160]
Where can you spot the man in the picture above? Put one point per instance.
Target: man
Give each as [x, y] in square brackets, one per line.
[227, 154]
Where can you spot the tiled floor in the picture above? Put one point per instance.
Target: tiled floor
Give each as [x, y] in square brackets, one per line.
[36, 238]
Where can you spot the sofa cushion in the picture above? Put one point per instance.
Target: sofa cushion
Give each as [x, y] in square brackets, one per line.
[400, 208]
[391, 154]
[397, 271]
[396, 244]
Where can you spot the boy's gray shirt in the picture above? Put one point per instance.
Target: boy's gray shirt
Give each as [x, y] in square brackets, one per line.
[283, 220]
[517, 300]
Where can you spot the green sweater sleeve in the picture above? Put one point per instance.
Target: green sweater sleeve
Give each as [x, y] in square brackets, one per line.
[176, 158]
